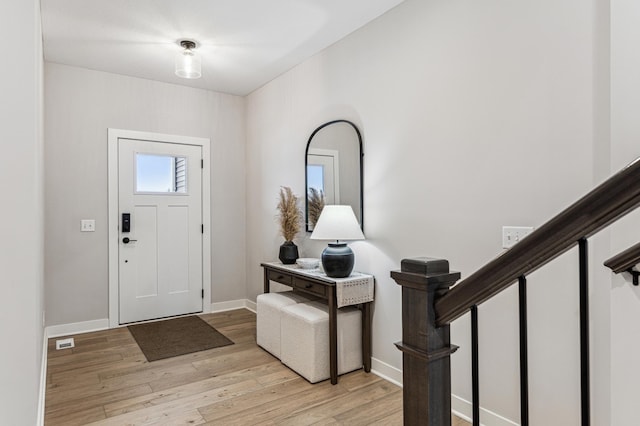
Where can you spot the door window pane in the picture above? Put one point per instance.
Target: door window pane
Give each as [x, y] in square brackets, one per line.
[161, 173]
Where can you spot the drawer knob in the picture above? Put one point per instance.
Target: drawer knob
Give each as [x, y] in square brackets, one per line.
[308, 286]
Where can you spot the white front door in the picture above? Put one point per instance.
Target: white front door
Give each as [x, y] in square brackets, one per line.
[160, 230]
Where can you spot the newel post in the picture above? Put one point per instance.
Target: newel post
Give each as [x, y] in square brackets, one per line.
[426, 349]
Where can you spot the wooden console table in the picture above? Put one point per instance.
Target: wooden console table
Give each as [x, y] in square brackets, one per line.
[316, 283]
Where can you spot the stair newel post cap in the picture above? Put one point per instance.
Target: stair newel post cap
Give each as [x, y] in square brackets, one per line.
[424, 265]
[418, 272]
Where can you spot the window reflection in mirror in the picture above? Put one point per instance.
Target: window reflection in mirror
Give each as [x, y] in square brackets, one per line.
[333, 169]
[323, 173]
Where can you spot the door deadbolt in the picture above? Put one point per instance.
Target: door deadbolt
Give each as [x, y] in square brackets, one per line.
[126, 222]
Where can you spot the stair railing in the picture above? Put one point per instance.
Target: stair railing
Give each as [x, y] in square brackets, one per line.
[625, 262]
[430, 303]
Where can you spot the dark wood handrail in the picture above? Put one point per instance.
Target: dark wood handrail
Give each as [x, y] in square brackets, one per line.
[605, 204]
[625, 260]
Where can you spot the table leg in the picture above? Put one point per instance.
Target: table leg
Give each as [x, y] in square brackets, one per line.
[366, 336]
[266, 280]
[333, 335]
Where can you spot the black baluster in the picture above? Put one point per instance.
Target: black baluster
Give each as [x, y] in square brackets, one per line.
[584, 333]
[524, 362]
[475, 382]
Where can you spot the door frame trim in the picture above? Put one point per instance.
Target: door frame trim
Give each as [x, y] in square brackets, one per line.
[113, 236]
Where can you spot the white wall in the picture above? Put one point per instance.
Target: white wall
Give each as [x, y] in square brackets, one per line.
[599, 245]
[625, 146]
[474, 115]
[21, 217]
[79, 107]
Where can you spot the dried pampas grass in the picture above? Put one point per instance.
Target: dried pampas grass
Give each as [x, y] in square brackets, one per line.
[289, 214]
[315, 204]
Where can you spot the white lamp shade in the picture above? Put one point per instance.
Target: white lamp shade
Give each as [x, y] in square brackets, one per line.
[337, 223]
[188, 64]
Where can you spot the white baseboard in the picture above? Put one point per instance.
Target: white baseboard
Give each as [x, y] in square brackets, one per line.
[251, 306]
[43, 381]
[103, 324]
[233, 304]
[464, 409]
[386, 371]
[76, 328]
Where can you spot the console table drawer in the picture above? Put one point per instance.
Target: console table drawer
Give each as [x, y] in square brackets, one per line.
[279, 277]
[310, 287]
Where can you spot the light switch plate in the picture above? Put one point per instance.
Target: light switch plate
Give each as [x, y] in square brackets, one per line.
[511, 235]
[87, 225]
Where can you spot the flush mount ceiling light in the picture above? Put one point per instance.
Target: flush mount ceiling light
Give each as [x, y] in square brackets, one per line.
[188, 62]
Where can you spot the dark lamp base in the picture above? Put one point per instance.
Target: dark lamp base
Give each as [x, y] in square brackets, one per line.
[338, 260]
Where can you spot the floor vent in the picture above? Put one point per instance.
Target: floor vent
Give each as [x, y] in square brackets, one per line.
[65, 343]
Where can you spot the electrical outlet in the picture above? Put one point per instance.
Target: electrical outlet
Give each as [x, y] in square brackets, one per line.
[87, 225]
[511, 235]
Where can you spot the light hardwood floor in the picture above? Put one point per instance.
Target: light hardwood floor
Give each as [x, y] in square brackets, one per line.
[106, 380]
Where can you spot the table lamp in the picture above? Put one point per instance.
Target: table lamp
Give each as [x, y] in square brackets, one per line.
[340, 224]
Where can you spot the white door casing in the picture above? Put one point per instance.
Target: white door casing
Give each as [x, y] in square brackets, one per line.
[164, 269]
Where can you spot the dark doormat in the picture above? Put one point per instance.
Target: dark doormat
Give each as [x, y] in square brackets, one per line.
[178, 336]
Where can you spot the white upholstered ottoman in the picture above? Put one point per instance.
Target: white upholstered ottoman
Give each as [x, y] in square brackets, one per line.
[268, 318]
[305, 340]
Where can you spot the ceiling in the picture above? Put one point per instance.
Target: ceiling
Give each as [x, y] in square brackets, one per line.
[243, 43]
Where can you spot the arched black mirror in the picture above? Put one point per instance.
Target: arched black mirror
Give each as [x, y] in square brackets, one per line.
[333, 164]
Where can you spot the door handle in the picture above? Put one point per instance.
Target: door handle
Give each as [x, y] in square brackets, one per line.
[127, 240]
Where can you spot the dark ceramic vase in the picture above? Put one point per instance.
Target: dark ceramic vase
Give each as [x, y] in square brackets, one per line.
[288, 253]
